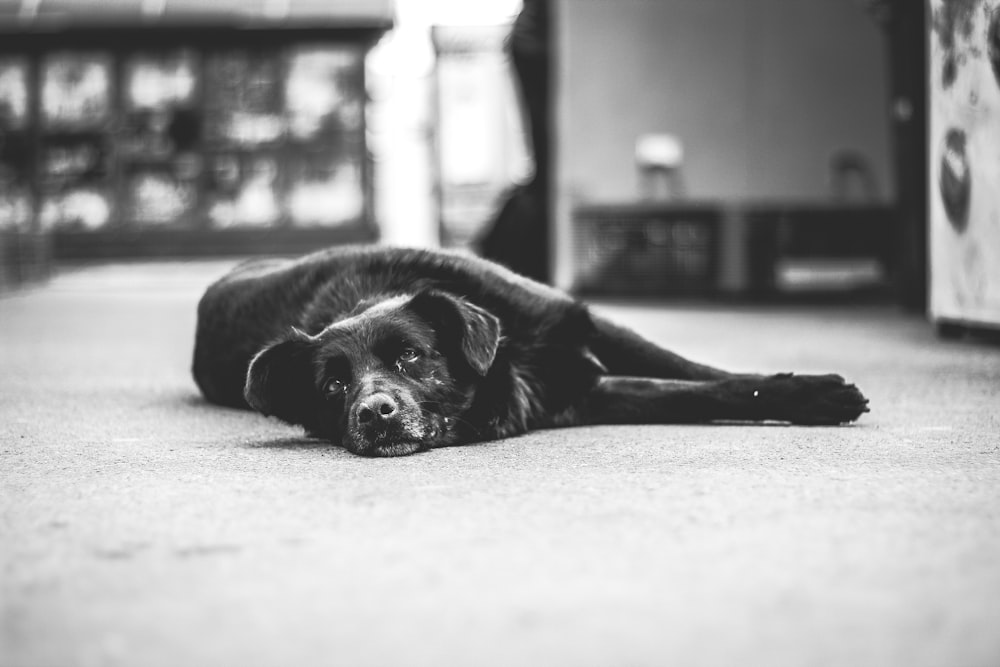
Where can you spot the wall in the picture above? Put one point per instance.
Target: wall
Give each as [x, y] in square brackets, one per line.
[760, 92]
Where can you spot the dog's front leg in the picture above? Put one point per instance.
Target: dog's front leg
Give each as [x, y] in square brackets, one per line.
[800, 399]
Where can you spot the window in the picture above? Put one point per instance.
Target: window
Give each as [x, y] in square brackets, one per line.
[182, 134]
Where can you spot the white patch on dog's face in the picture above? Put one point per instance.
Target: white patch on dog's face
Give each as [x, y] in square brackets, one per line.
[376, 310]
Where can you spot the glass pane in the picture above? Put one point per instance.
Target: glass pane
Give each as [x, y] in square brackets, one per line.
[162, 116]
[324, 94]
[84, 208]
[244, 190]
[13, 94]
[243, 99]
[76, 90]
[324, 191]
[160, 81]
[15, 208]
[66, 159]
[159, 197]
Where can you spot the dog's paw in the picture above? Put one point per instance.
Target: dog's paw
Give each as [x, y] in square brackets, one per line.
[816, 400]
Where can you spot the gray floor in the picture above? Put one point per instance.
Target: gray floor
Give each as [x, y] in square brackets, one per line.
[141, 526]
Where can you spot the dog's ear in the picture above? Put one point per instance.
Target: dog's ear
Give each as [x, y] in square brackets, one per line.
[461, 325]
[279, 379]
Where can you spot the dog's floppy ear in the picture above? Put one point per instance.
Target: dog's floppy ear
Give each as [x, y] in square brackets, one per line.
[279, 379]
[472, 330]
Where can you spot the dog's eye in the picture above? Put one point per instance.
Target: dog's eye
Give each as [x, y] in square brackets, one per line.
[333, 387]
[408, 354]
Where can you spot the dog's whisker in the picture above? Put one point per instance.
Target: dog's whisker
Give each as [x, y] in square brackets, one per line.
[459, 420]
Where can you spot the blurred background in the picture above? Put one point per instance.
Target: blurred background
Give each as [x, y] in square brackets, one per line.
[738, 148]
[761, 185]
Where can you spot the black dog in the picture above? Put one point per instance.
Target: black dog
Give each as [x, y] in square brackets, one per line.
[390, 351]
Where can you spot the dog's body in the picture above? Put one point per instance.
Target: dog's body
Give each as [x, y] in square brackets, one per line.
[393, 351]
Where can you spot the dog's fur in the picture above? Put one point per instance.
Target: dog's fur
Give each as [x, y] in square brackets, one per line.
[393, 351]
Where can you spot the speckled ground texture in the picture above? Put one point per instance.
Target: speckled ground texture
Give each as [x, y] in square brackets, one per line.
[143, 527]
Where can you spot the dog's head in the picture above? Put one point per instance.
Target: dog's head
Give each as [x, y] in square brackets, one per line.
[392, 378]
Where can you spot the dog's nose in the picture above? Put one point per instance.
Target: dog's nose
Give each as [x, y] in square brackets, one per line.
[375, 408]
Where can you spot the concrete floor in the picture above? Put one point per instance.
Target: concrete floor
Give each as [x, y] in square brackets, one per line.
[142, 527]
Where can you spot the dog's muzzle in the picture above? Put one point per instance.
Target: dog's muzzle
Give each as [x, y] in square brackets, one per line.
[383, 426]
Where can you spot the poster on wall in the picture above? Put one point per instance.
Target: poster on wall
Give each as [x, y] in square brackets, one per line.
[964, 163]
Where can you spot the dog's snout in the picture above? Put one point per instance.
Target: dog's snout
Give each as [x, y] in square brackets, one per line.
[375, 408]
